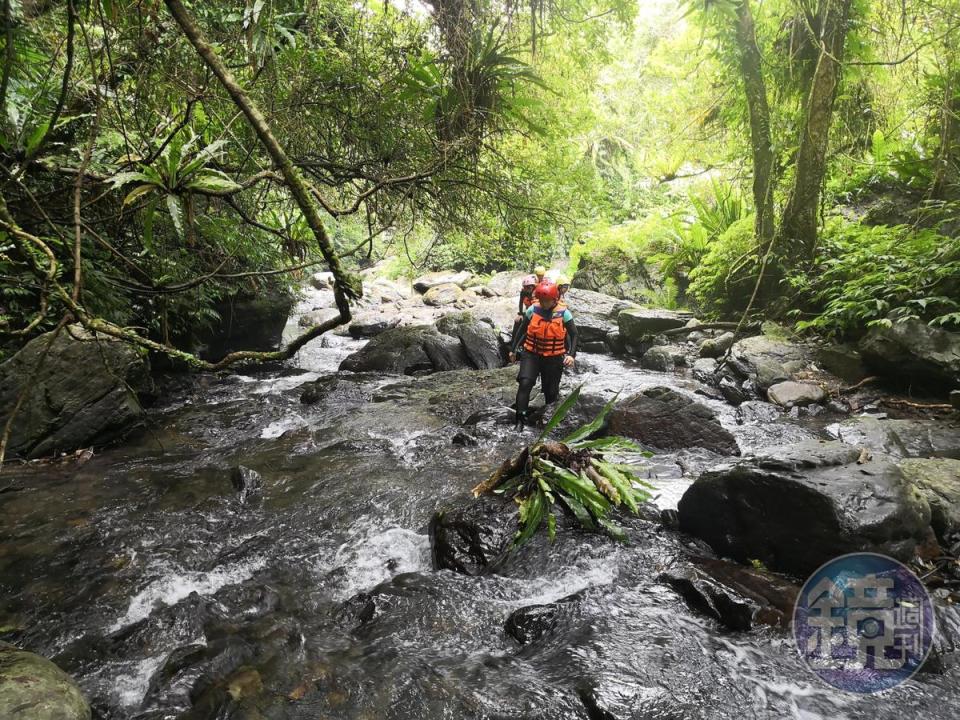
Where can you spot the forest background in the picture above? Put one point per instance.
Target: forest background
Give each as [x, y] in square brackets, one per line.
[791, 159]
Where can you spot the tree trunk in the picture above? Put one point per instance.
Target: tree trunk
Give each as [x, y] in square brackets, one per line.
[798, 226]
[751, 70]
[947, 172]
[346, 287]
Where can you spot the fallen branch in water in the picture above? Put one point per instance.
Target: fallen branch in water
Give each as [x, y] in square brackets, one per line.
[865, 381]
[921, 406]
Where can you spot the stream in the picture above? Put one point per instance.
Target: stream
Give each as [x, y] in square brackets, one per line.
[144, 574]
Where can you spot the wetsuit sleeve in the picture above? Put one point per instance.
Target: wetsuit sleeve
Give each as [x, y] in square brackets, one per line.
[571, 341]
[520, 305]
[520, 335]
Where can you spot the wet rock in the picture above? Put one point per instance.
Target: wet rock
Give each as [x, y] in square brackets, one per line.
[246, 482]
[371, 324]
[33, 688]
[939, 481]
[636, 324]
[322, 280]
[794, 508]
[595, 346]
[595, 313]
[617, 274]
[531, 623]
[900, 438]
[703, 370]
[464, 439]
[317, 317]
[789, 394]
[767, 361]
[407, 350]
[925, 356]
[945, 651]
[478, 338]
[615, 342]
[844, 361]
[663, 358]
[505, 284]
[757, 412]
[246, 323]
[737, 596]
[666, 419]
[85, 393]
[715, 347]
[447, 294]
[732, 391]
[955, 399]
[459, 396]
[383, 291]
[435, 279]
[469, 538]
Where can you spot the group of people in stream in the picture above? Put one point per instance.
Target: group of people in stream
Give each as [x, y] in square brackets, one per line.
[544, 339]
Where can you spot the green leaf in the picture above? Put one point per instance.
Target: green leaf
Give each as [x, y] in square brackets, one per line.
[214, 182]
[613, 530]
[150, 214]
[591, 427]
[137, 192]
[176, 213]
[561, 412]
[121, 179]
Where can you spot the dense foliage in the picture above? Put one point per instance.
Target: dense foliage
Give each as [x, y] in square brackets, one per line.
[798, 159]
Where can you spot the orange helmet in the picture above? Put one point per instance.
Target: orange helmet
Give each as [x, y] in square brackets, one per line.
[547, 289]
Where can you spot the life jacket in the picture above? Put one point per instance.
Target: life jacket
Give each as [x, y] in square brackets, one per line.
[546, 335]
[528, 300]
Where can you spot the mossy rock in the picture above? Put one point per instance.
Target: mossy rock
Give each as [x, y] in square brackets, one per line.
[33, 688]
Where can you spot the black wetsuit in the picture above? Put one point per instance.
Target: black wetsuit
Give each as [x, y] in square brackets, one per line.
[532, 366]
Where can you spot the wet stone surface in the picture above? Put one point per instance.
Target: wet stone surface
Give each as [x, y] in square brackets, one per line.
[144, 576]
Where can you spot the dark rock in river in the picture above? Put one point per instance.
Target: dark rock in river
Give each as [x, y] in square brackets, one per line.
[373, 323]
[246, 482]
[901, 438]
[246, 323]
[767, 361]
[468, 538]
[798, 506]
[637, 323]
[912, 351]
[595, 313]
[407, 350]
[737, 596]
[33, 688]
[529, 624]
[666, 419]
[479, 339]
[435, 279]
[86, 392]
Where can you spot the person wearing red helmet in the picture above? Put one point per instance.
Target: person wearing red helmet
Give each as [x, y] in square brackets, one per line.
[526, 300]
[545, 343]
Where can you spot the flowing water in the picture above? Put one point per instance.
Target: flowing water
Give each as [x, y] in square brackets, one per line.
[145, 575]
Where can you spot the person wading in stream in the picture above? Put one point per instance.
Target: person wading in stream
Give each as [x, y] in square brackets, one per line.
[545, 343]
[563, 285]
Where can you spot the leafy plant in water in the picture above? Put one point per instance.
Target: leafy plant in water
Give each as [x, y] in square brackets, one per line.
[572, 473]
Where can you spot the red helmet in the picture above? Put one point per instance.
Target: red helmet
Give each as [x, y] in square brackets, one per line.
[547, 289]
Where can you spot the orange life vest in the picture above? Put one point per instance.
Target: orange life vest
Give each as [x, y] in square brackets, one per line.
[546, 335]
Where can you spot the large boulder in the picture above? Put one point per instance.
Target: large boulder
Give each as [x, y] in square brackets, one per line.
[613, 272]
[446, 294]
[369, 324]
[767, 361]
[478, 338]
[595, 313]
[663, 358]
[900, 438]
[505, 284]
[85, 391]
[939, 481]
[912, 351]
[801, 505]
[790, 394]
[407, 350]
[638, 325]
[33, 688]
[435, 279]
[666, 419]
[246, 323]
[715, 347]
